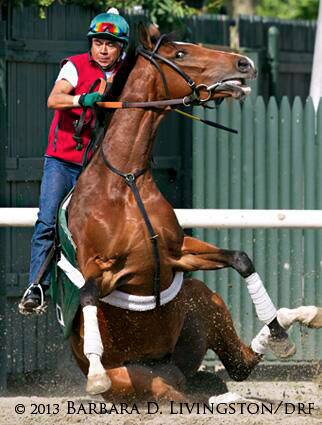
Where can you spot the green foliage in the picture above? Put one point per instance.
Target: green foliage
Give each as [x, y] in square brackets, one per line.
[288, 9]
[169, 13]
[213, 6]
[165, 13]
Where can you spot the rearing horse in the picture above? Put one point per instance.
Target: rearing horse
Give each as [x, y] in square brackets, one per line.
[123, 246]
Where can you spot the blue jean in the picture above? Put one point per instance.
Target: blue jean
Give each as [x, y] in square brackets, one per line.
[58, 179]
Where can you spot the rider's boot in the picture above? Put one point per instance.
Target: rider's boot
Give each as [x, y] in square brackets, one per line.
[33, 300]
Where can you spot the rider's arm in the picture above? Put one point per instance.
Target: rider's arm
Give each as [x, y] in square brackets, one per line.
[60, 97]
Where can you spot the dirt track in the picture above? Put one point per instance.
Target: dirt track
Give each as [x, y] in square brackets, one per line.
[68, 397]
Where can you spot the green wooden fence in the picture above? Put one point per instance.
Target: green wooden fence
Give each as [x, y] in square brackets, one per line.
[275, 162]
[292, 58]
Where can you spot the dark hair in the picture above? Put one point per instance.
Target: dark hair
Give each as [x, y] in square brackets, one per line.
[123, 73]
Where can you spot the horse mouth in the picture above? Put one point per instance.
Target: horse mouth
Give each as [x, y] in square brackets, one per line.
[236, 88]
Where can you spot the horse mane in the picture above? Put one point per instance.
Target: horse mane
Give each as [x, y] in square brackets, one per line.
[104, 116]
[128, 64]
[123, 73]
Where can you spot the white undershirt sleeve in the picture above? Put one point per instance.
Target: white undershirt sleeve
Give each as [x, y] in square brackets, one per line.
[68, 72]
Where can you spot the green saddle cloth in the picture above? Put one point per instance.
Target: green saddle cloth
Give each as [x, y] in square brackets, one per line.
[64, 293]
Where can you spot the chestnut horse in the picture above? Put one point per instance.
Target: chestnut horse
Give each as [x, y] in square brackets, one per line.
[129, 241]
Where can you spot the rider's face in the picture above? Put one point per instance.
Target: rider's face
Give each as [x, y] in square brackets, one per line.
[105, 52]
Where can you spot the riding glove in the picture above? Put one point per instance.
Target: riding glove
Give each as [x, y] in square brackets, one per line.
[88, 100]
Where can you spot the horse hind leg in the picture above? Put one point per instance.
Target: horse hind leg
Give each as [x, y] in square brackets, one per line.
[135, 381]
[198, 255]
[209, 326]
[310, 316]
[97, 379]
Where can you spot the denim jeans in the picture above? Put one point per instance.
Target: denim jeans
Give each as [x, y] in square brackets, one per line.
[58, 179]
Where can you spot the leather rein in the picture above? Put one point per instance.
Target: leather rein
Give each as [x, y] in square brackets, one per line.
[193, 99]
[130, 178]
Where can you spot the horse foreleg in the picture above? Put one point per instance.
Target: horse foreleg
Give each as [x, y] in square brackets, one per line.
[198, 255]
[97, 380]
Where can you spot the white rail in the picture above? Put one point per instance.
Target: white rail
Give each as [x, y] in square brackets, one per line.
[208, 218]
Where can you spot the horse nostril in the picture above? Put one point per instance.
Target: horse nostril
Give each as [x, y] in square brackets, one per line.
[243, 65]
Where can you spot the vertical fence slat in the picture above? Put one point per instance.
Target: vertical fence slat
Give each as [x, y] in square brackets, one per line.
[309, 235]
[259, 182]
[284, 201]
[297, 203]
[223, 185]
[318, 251]
[210, 183]
[236, 287]
[247, 199]
[272, 194]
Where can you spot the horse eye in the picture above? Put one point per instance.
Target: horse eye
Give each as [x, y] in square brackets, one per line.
[179, 54]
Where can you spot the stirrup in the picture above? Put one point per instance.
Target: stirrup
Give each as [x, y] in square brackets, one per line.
[42, 308]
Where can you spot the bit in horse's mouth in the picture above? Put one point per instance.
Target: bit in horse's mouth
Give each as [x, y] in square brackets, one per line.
[236, 87]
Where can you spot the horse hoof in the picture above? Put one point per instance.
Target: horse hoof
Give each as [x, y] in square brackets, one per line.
[98, 384]
[316, 322]
[282, 347]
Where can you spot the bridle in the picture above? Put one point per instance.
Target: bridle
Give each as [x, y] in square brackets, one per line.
[194, 97]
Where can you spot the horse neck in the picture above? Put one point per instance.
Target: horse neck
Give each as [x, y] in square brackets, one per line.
[129, 139]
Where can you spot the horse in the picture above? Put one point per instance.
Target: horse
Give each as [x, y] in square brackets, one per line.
[142, 330]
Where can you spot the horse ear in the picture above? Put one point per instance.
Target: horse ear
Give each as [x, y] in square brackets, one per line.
[154, 33]
[144, 36]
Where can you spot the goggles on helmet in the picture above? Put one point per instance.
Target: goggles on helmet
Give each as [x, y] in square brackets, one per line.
[108, 25]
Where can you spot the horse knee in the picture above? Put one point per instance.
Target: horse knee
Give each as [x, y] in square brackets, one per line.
[242, 264]
[89, 293]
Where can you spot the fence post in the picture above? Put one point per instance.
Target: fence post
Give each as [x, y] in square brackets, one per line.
[273, 59]
[3, 140]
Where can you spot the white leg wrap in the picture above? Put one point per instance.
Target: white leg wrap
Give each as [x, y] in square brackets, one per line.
[92, 337]
[95, 365]
[264, 306]
[305, 314]
[260, 343]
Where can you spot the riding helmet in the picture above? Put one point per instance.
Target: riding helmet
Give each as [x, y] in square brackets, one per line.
[109, 25]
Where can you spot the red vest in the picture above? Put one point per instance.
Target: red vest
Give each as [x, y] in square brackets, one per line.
[60, 141]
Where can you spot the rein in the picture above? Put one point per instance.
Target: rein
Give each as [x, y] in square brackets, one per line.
[193, 99]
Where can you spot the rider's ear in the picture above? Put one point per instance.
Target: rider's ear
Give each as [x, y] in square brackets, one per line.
[144, 37]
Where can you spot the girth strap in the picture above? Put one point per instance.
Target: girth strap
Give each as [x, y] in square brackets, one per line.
[130, 179]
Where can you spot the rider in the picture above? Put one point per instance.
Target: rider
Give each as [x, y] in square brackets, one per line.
[108, 37]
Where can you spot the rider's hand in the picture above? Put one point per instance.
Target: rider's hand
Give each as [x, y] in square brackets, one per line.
[88, 100]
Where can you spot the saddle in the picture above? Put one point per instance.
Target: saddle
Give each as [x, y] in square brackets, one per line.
[64, 293]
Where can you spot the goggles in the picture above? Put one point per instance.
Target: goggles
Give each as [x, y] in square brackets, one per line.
[107, 27]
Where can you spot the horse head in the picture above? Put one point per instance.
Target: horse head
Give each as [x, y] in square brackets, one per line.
[186, 69]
